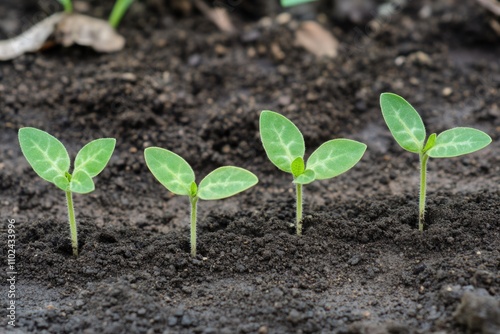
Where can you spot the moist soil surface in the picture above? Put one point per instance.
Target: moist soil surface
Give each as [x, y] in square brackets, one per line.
[361, 265]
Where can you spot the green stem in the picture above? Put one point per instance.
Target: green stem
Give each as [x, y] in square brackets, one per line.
[118, 11]
[194, 202]
[423, 180]
[72, 223]
[67, 5]
[298, 188]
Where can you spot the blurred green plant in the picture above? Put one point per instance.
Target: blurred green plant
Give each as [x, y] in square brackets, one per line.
[119, 9]
[67, 5]
[290, 3]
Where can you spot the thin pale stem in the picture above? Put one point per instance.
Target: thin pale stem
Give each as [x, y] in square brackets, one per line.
[194, 202]
[423, 185]
[298, 188]
[72, 223]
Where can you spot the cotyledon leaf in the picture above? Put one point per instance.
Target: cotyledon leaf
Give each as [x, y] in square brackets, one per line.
[458, 141]
[282, 140]
[81, 183]
[225, 182]
[171, 170]
[62, 182]
[94, 156]
[403, 121]
[306, 177]
[44, 152]
[335, 157]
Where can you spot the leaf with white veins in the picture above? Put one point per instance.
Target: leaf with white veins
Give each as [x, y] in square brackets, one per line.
[282, 140]
[45, 153]
[458, 141]
[403, 121]
[335, 157]
[225, 182]
[171, 170]
[94, 156]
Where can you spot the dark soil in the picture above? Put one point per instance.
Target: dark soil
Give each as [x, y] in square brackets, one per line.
[361, 265]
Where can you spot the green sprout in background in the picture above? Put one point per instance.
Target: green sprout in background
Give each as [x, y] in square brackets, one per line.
[175, 174]
[408, 130]
[50, 160]
[119, 9]
[290, 3]
[67, 5]
[284, 146]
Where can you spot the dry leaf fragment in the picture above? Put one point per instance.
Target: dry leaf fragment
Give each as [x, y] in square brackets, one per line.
[217, 15]
[492, 5]
[314, 38]
[88, 31]
[67, 29]
[31, 40]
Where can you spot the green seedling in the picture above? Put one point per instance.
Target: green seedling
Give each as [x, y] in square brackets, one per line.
[284, 146]
[51, 162]
[119, 9]
[175, 174]
[67, 5]
[290, 3]
[408, 130]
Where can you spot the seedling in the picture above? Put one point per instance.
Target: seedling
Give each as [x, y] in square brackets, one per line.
[119, 9]
[67, 5]
[284, 146]
[290, 3]
[51, 162]
[175, 174]
[408, 129]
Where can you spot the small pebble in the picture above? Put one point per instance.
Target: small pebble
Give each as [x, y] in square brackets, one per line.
[447, 91]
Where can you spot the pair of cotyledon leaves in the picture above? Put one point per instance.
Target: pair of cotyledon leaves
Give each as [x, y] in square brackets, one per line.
[285, 147]
[408, 129]
[175, 174]
[51, 161]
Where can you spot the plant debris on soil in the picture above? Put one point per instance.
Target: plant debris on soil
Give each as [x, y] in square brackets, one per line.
[361, 265]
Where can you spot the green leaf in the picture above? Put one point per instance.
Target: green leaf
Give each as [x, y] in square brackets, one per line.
[225, 182]
[194, 189]
[403, 121]
[94, 156]
[171, 170]
[335, 157]
[430, 142]
[81, 183]
[306, 177]
[119, 9]
[458, 141]
[290, 3]
[297, 166]
[44, 153]
[282, 140]
[68, 6]
[61, 182]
